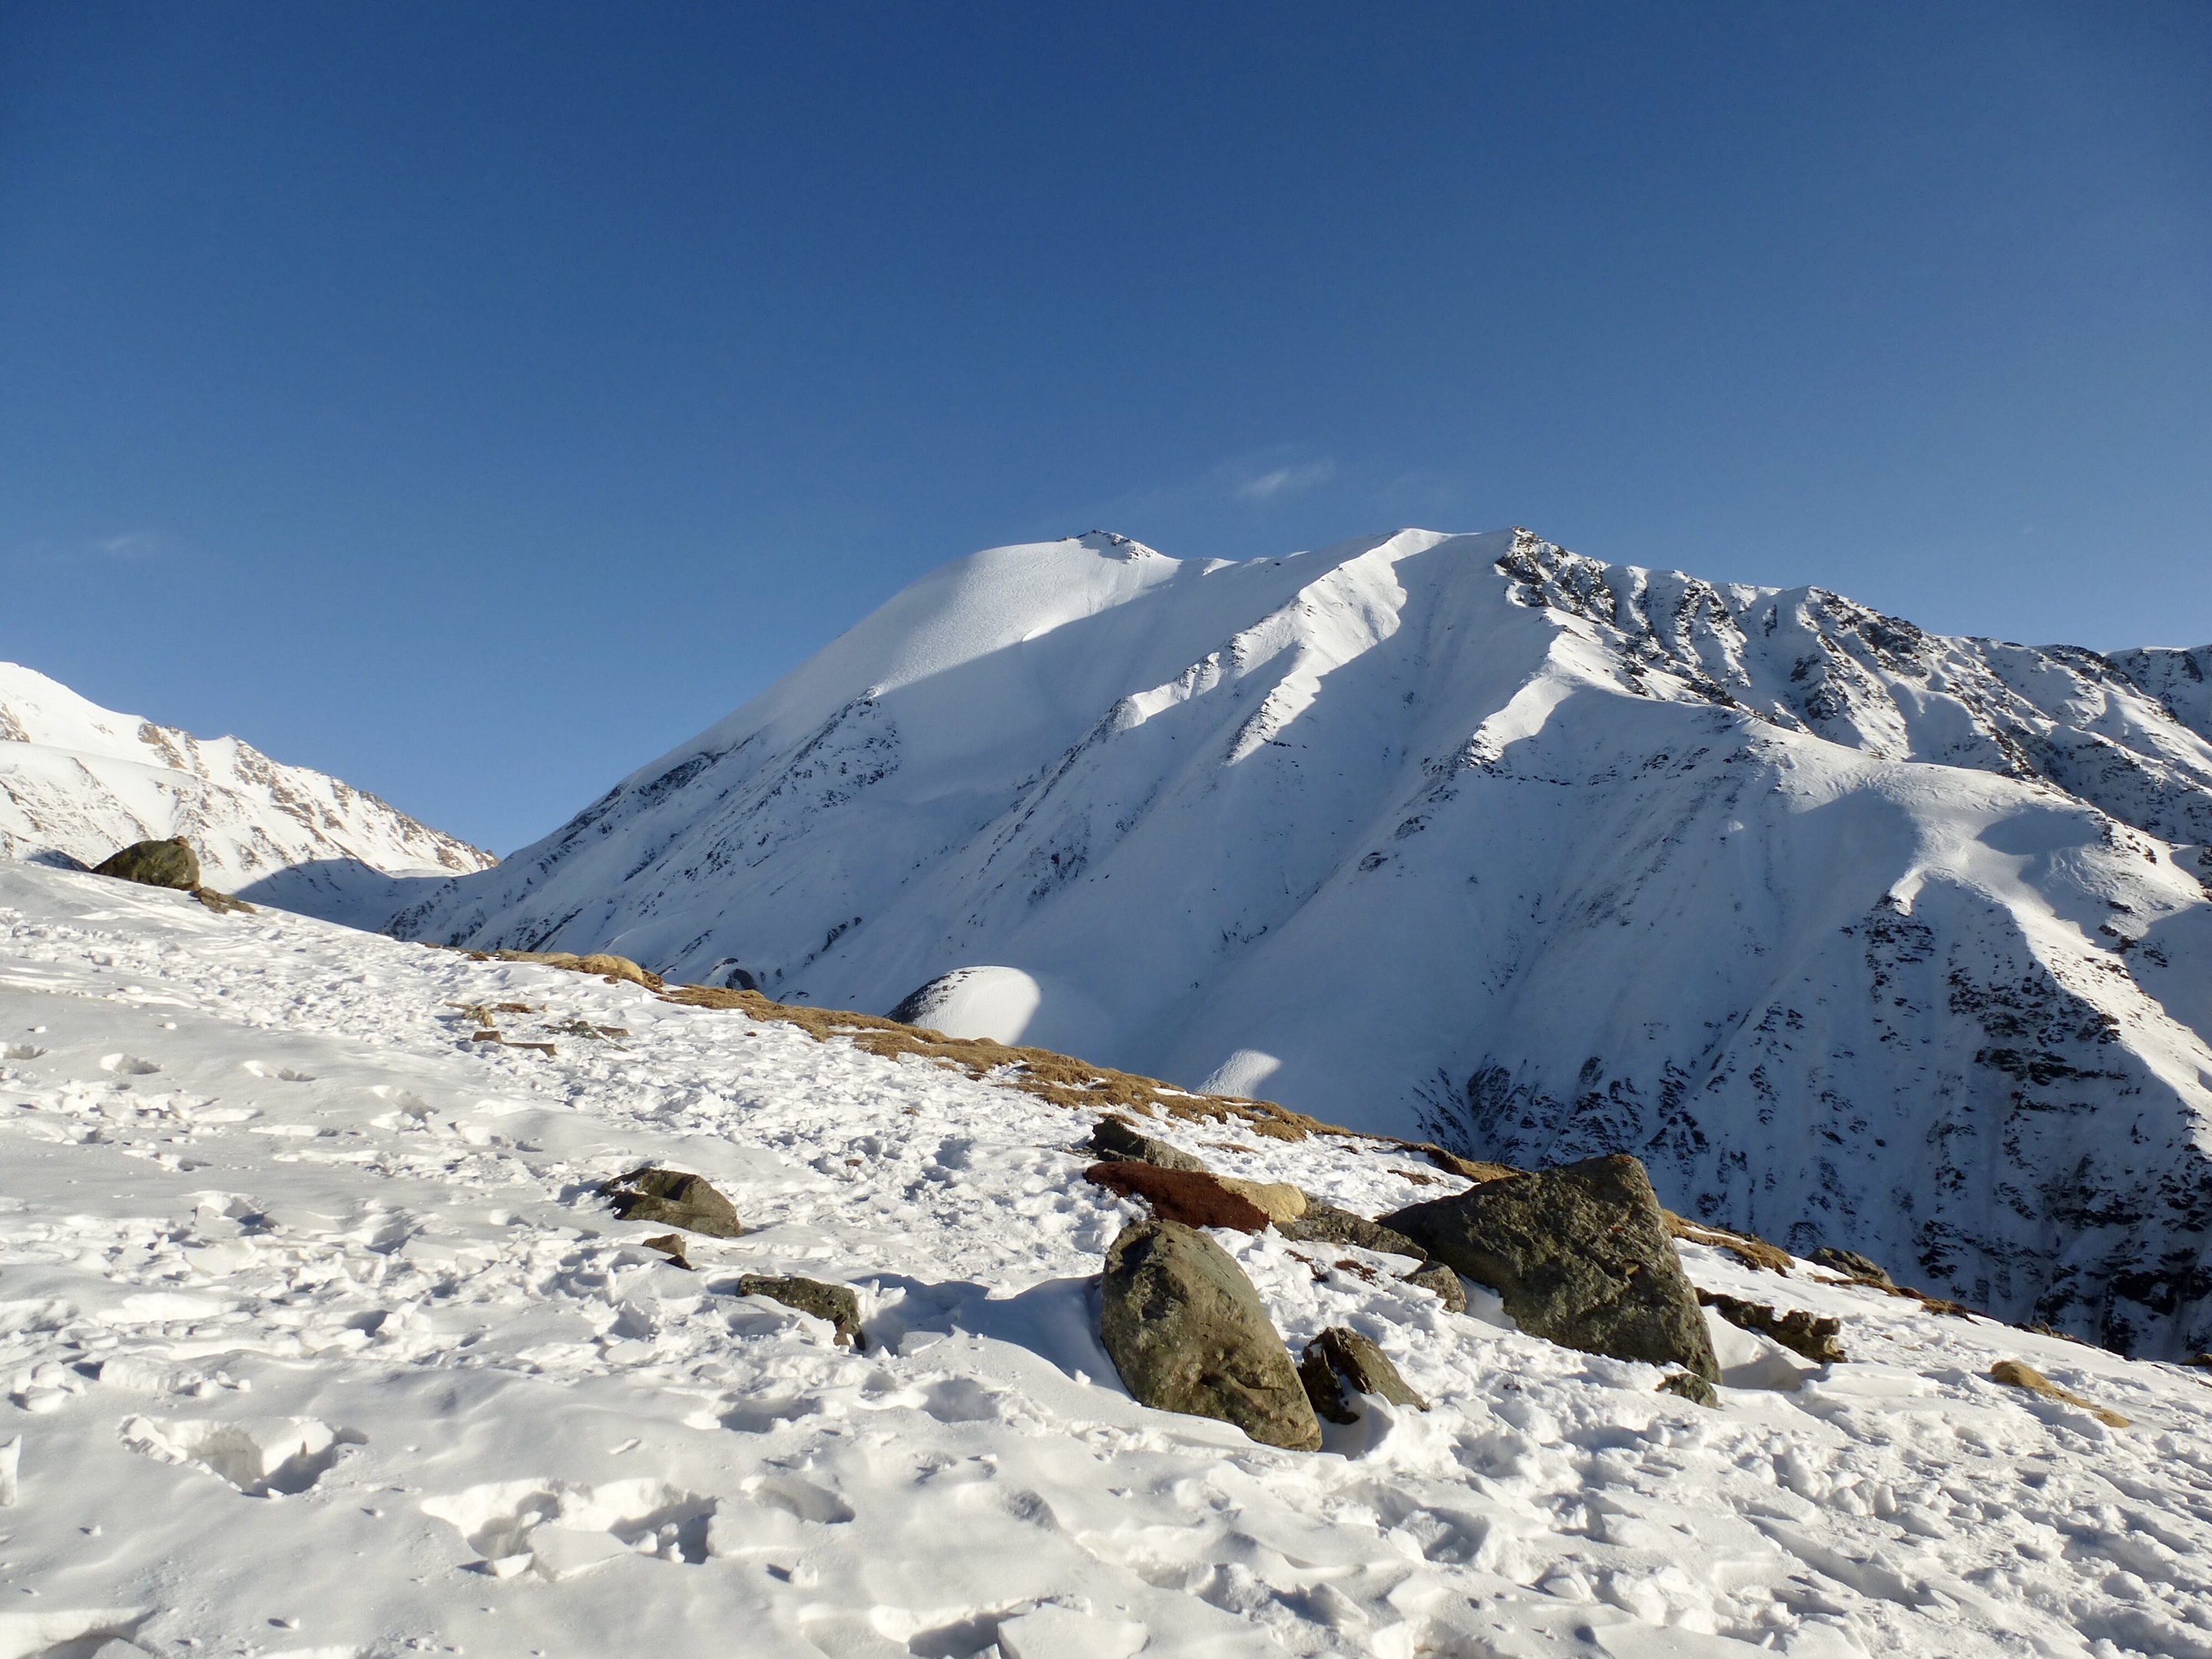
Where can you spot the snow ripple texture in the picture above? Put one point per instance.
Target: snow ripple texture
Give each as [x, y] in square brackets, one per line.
[317, 1342]
[1856, 934]
[82, 780]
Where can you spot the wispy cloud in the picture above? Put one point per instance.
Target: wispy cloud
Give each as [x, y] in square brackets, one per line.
[1284, 480]
[132, 545]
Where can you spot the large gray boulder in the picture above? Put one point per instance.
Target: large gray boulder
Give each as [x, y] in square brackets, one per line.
[170, 863]
[673, 1197]
[1581, 1256]
[1187, 1333]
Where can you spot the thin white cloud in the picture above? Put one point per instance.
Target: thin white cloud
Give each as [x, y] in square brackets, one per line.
[1285, 480]
[133, 544]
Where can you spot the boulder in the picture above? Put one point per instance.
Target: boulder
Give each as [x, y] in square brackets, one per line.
[1339, 1359]
[1120, 1141]
[1438, 1278]
[1693, 1388]
[1813, 1336]
[224, 904]
[1187, 1333]
[673, 1199]
[1851, 1265]
[170, 863]
[1325, 1223]
[1280, 1201]
[835, 1303]
[1193, 1198]
[1581, 1256]
[671, 1246]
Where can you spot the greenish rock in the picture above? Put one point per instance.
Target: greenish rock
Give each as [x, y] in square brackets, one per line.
[1187, 1333]
[224, 904]
[1581, 1256]
[1119, 1140]
[1693, 1388]
[834, 1303]
[170, 863]
[1437, 1277]
[1340, 1359]
[673, 1199]
[1325, 1223]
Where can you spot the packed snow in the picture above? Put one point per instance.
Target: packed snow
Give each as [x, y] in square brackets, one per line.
[319, 1341]
[78, 781]
[1853, 932]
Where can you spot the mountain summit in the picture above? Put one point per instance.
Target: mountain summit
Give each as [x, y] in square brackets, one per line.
[1855, 934]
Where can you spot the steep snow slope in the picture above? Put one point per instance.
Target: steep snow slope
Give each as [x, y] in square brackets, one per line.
[1855, 934]
[317, 1342]
[82, 780]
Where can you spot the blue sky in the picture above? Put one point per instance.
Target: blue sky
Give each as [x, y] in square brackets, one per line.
[474, 401]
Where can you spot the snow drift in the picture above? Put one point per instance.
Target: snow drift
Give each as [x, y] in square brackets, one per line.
[1853, 932]
[80, 780]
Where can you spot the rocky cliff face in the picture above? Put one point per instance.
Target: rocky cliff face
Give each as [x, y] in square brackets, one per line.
[1854, 933]
[78, 780]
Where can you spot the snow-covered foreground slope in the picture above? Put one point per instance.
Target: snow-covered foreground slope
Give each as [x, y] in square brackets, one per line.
[272, 1224]
[82, 780]
[1856, 934]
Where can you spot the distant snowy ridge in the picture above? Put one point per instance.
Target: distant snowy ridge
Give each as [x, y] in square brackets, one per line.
[1855, 934]
[82, 780]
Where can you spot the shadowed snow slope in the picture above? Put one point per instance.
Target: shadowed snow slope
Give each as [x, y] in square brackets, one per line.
[1855, 934]
[80, 779]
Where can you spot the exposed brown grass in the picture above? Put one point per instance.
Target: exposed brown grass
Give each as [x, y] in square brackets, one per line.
[1060, 1078]
[1746, 1248]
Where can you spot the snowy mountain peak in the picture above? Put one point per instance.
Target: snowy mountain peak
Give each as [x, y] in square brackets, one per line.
[1855, 934]
[80, 780]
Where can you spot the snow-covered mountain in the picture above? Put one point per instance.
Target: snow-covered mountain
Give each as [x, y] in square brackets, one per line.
[82, 780]
[1855, 934]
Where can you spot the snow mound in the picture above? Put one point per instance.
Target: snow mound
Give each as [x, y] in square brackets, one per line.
[78, 782]
[1849, 930]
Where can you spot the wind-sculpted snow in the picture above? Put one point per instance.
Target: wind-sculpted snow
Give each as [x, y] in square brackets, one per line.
[82, 780]
[318, 1339]
[1857, 934]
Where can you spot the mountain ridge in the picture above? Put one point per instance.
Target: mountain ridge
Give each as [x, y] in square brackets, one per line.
[1848, 929]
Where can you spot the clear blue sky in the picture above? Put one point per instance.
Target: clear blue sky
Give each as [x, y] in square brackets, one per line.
[473, 400]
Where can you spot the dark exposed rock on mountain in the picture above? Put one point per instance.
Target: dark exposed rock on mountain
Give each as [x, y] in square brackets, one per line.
[1814, 1336]
[1187, 1333]
[1581, 1256]
[1118, 1141]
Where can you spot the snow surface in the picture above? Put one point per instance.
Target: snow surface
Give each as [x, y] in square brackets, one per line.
[1855, 934]
[317, 1342]
[83, 782]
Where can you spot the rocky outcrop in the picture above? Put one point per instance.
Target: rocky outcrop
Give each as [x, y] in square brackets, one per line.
[170, 863]
[1813, 1336]
[1341, 1362]
[1118, 1141]
[834, 1303]
[1581, 1256]
[672, 1197]
[1187, 1333]
[1851, 1265]
[1188, 1196]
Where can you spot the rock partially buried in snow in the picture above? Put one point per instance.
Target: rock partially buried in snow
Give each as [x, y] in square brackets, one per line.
[1187, 1333]
[170, 863]
[1340, 1359]
[1439, 1280]
[1325, 1223]
[1118, 1141]
[835, 1303]
[1581, 1256]
[673, 1199]
[1809, 1334]
[1194, 1199]
[1851, 1265]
